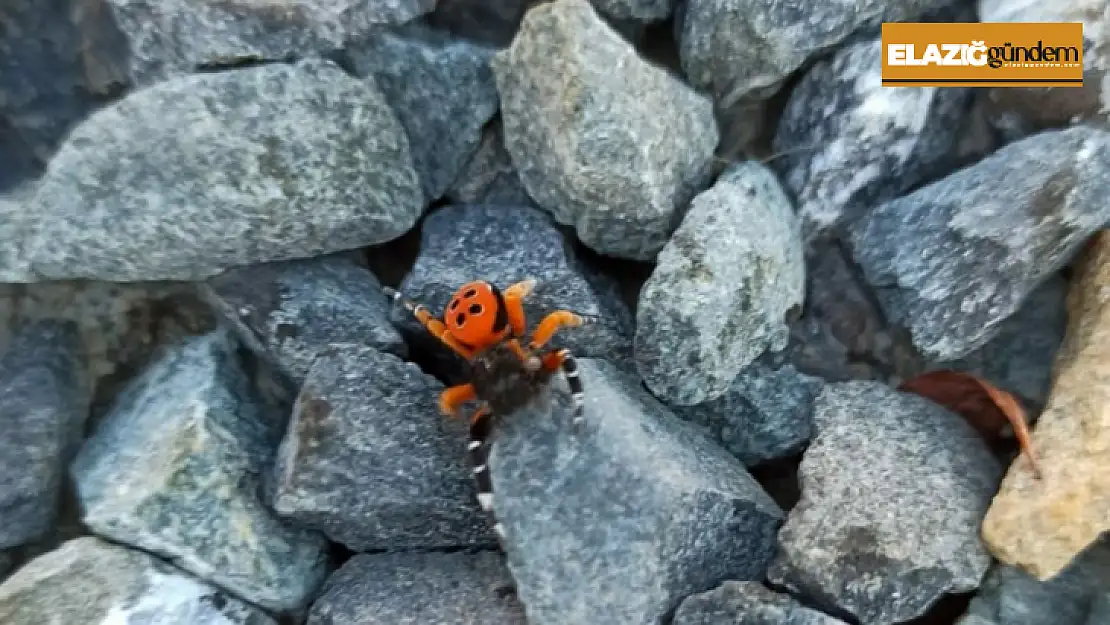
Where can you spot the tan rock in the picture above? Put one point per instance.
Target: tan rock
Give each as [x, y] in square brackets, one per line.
[1041, 525]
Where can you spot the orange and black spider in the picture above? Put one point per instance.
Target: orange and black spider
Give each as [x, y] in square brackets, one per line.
[484, 325]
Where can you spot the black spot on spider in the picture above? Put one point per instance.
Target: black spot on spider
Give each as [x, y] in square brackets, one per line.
[470, 293]
[475, 309]
[460, 319]
[454, 304]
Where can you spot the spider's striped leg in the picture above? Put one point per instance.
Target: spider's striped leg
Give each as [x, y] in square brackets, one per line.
[481, 426]
[563, 359]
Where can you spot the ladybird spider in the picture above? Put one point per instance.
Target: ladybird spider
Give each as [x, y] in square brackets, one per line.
[484, 325]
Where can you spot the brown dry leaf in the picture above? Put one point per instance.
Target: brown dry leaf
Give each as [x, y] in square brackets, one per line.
[986, 407]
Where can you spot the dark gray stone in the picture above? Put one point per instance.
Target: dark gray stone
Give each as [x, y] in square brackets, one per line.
[43, 404]
[607, 141]
[747, 603]
[442, 91]
[492, 22]
[175, 467]
[370, 460]
[267, 163]
[737, 49]
[721, 288]
[287, 312]
[506, 244]
[90, 581]
[490, 176]
[953, 259]
[1078, 594]
[894, 489]
[648, 507]
[766, 413]
[846, 142]
[636, 10]
[387, 589]
[171, 38]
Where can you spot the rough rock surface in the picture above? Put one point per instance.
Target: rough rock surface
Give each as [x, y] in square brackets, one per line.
[490, 176]
[87, 580]
[506, 244]
[164, 39]
[721, 288]
[1078, 594]
[43, 403]
[15, 225]
[265, 163]
[175, 469]
[659, 511]
[746, 603]
[1040, 525]
[491, 22]
[894, 488]
[617, 154]
[387, 589]
[956, 257]
[847, 143]
[369, 460]
[766, 413]
[442, 91]
[638, 10]
[288, 311]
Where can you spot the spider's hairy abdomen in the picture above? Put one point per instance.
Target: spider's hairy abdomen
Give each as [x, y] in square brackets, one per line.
[501, 379]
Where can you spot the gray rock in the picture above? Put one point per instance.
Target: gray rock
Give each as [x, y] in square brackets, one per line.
[259, 164]
[490, 177]
[165, 39]
[492, 22]
[954, 258]
[43, 402]
[93, 582]
[442, 91]
[15, 227]
[370, 460]
[651, 509]
[894, 488]
[505, 244]
[721, 288]
[1078, 594]
[175, 469]
[747, 603]
[636, 10]
[608, 142]
[387, 589]
[737, 49]
[766, 413]
[288, 311]
[847, 143]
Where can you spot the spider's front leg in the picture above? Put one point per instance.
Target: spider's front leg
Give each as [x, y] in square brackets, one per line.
[434, 326]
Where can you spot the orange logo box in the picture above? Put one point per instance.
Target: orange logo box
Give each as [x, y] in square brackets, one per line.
[978, 54]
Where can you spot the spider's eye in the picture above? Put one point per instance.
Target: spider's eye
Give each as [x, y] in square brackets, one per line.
[460, 319]
[470, 293]
[475, 309]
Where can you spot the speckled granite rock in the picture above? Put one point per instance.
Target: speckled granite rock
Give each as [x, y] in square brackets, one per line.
[636, 10]
[369, 460]
[721, 288]
[288, 311]
[847, 143]
[616, 154]
[257, 164]
[388, 589]
[15, 228]
[174, 469]
[659, 511]
[747, 603]
[442, 90]
[894, 488]
[490, 177]
[956, 257]
[43, 403]
[87, 581]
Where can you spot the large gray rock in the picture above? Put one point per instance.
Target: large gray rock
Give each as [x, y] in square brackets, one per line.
[288, 311]
[87, 581]
[169, 38]
[505, 244]
[490, 176]
[605, 140]
[894, 489]
[953, 259]
[259, 164]
[386, 589]
[442, 91]
[618, 520]
[175, 469]
[43, 404]
[737, 49]
[747, 603]
[721, 288]
[846, 142]
[14, 231]
[370, 460]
